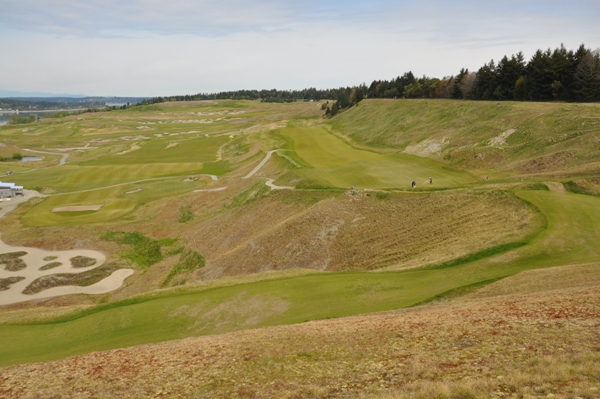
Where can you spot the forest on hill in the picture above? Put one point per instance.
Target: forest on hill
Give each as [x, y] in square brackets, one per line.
[550, 75]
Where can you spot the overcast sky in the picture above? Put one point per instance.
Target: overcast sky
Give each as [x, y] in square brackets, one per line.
[167, 47]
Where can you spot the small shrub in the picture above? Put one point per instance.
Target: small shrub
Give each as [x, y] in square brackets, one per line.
[190, 260]
[52, 265]
[185, 213]
[12, 261]
[82, 261]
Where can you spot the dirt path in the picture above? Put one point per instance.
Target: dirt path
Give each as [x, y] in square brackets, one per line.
[260, 165]
[34, 259]
[63, 160]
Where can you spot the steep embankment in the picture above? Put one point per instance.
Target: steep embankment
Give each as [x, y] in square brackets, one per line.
[520, 138]
[367, 231]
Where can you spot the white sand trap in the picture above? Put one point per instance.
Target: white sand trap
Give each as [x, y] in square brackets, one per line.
[78, 208]
[34, 259]
[206, 190]
[134, 191]
[274, 187]
[171, 145]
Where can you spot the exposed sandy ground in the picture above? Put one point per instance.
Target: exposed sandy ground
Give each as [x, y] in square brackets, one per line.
[555, 186]
[78, 208]
[501, 138]
[35, 259]
[274, 187]
[522, 342]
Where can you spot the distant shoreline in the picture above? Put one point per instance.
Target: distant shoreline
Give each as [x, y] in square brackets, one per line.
[4, 112]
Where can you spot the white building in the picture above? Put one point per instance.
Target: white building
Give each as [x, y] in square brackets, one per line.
[10, 190]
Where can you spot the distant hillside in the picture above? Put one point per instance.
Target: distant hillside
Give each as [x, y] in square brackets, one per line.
[519, 137]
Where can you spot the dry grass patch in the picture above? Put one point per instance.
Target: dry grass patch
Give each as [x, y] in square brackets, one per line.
[368, 231]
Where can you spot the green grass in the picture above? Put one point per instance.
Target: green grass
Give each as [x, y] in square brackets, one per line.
[572, 235]
[117, 204]
[329, 161]
[155, 151]
[145, 251]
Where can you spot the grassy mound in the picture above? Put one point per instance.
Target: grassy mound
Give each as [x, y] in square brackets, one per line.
[529, 137]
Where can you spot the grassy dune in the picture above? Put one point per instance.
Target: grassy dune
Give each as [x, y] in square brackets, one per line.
[547, 137]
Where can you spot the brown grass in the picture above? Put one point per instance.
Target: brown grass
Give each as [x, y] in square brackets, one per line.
[528, 342]
[12, 261]
[5, 283]
[335, 231]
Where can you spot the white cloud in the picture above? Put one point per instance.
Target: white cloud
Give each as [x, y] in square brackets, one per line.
[184, 46]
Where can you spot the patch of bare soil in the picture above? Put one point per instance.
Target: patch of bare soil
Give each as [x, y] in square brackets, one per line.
[521, 344]
[548, 163]
[555, 186]
[365, 232]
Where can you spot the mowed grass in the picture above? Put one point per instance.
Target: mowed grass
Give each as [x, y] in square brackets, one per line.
[571, 236]
[329, 161]
[115, 200]
[71, 178]
[202, 149]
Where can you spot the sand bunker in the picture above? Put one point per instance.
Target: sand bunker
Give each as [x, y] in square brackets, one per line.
[35, 258]
[171, 145]
[134, 191]
[78, 208]
[274, 187]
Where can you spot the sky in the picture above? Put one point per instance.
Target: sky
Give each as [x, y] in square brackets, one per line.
[170, 47]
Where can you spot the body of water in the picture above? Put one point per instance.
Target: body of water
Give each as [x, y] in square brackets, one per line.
[31, 159]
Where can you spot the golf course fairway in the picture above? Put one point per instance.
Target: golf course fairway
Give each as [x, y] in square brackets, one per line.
[330, 161]
[570, 236]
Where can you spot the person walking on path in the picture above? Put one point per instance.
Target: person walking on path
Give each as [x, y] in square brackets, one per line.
[414, 184]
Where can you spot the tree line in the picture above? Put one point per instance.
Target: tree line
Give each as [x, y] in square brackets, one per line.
[550, 75]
